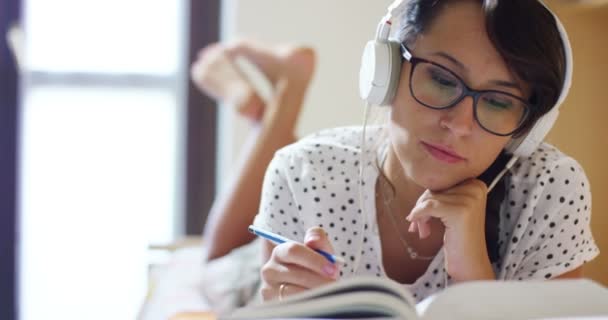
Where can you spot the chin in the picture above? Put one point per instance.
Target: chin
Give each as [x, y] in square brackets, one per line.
[437, 182]
[439, 185]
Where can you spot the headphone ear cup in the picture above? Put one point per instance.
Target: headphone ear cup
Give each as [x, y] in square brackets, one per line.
[524, 146]
[379, 72]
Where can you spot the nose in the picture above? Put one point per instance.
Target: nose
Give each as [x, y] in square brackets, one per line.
[460, 118]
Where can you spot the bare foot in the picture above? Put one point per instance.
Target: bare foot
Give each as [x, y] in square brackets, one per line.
[215, 73]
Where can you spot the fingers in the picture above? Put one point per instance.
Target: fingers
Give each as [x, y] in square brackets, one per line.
[280, 291]
[288, 289]
[413, 227]
[424, 227]
[277, 271]
[295, 265]
[463, 201]
[298, 266]
[305, 257]
[426, 208]
[316, 238]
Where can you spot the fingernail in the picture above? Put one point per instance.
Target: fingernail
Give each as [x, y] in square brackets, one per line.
[409, 217]
[313, 238]
[329, 269]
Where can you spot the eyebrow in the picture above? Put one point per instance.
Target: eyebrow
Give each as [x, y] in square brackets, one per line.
[461, 66]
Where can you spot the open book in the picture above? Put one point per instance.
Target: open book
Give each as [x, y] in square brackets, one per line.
[372, 297]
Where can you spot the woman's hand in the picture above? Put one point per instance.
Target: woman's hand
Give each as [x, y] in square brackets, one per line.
[462, 210]
[295, 267]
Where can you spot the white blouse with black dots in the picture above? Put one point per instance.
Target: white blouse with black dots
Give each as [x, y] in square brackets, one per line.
[544, 227]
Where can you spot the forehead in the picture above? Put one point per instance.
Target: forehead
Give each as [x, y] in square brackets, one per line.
[458, 21]
[459, 30]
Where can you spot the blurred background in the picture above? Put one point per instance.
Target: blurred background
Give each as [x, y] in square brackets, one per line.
[107, 149]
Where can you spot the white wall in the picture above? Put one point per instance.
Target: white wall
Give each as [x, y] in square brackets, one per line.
[337, 29]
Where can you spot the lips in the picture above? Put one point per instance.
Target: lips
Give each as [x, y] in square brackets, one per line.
[442, 153]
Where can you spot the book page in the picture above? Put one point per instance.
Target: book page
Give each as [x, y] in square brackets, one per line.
[354, 284]
[349, 298]
[517, 300]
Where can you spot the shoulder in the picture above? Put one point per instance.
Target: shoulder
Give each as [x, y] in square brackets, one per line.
[545, 219]
[340, 137]
[547, 166]
[549, 182]
[336, 146]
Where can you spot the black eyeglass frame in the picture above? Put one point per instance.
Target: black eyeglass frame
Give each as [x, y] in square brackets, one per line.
[467, 92]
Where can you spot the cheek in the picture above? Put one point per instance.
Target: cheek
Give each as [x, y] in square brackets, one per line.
[406, 122]
[489, 149]
[406, 113]
[403, 96]
[409, 120]
[485, 151]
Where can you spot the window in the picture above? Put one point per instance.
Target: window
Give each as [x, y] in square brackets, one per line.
[102, 130]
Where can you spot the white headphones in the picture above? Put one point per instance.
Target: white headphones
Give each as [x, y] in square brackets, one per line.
[381, 67]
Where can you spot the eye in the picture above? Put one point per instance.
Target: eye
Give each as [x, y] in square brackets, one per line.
[442, 78]
[498, 102]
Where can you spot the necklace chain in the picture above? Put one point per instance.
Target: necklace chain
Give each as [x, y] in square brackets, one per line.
[387, 207]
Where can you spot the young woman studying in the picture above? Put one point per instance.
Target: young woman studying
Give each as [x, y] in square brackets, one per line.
[456, 185]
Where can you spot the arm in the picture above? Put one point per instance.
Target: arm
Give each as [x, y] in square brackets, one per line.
[235, 209]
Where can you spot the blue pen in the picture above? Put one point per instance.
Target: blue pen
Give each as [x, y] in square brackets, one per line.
[279, 239]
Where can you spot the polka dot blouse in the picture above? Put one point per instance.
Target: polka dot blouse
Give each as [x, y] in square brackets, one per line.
[544, 227]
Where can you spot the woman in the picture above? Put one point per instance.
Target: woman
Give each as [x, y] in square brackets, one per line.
[425, 218]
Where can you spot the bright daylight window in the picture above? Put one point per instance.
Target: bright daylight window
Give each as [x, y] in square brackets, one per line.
[101, 136]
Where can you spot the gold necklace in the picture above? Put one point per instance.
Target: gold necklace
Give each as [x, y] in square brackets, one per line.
[387, 207]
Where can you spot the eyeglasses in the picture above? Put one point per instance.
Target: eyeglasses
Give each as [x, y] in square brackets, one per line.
[436, 87]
